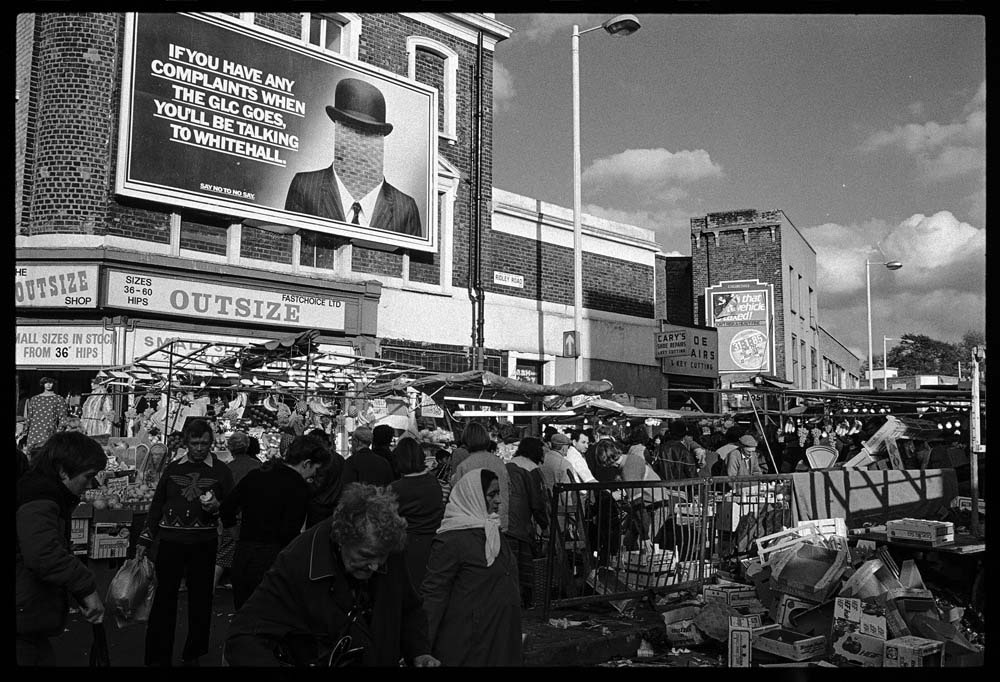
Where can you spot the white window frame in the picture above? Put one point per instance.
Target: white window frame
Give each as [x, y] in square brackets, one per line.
[350, 32]
[447, 128]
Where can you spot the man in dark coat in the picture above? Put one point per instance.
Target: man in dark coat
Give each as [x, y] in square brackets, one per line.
[322, 589]
[382, 436]
[364, 465]
[47, 573]
[355, 180]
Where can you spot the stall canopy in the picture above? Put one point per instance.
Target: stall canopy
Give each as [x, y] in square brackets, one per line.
[480, 384]
[294, 365]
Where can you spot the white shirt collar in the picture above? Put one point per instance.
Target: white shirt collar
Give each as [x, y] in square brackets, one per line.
[208, 459]
[367, 201]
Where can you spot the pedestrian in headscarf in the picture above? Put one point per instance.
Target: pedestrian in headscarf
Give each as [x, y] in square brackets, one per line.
[470, 590]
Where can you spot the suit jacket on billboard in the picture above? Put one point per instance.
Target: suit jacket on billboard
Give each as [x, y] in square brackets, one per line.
[314, 192]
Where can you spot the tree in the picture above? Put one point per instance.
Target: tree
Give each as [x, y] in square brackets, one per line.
[919, 354]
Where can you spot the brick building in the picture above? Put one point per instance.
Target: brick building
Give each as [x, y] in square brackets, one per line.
[153, 161]
[753, 277]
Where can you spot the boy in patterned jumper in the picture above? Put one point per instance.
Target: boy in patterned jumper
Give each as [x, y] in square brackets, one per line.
[182, 520]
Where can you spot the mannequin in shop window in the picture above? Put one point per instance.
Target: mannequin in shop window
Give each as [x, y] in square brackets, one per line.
[43, 415]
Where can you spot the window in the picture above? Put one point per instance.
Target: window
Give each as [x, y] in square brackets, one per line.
[332, 32]
[793, 294]
[814, 376]
[435, 64]
[204, 234]
[802, 364]
[795, 357]
[317, 249]
[798, 301]
[812, 308]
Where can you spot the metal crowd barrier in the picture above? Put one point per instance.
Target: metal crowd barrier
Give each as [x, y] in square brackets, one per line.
[610, 542]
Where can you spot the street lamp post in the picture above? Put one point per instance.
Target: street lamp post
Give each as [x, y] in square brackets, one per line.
[891, 265]
[621, 25]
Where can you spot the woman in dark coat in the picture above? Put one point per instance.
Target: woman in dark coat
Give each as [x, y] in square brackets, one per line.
[420, 503]
[46, 571]
[470, 591]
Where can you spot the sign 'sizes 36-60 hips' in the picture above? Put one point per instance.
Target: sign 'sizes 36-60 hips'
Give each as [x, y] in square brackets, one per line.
[203, 299]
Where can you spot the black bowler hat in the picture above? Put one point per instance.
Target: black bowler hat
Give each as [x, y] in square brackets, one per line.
[359, 104]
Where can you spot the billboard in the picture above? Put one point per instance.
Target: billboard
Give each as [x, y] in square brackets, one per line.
[220, 117]
[742, 311]
[688, 351]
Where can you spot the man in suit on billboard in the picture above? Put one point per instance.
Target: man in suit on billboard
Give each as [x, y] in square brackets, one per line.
[356, 180]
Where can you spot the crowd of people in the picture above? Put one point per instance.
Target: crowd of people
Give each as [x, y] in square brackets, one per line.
[404, 552]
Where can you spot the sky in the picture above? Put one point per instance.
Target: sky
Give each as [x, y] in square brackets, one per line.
[868, 131]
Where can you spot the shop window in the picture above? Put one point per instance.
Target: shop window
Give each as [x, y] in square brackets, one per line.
[332, 32]
[436, 64]
[529, 370]
[318, 249]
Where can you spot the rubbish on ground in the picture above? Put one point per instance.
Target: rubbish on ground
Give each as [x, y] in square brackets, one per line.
[913, 652]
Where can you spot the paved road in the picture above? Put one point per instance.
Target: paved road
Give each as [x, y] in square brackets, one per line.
[126, 644]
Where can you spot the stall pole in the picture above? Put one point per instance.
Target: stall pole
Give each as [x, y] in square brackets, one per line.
[974, 439]
[767, 446]
[166, 414]
[305, 390]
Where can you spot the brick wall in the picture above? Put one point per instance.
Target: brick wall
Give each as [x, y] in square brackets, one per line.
[733, 259]
[76, 63]
[609, 284]
[376, 262]
[204, 235]
[24, 113]
[264, 245]
[430, 71]
[287, 23]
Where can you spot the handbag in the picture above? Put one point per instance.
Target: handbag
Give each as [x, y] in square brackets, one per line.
[99, 656]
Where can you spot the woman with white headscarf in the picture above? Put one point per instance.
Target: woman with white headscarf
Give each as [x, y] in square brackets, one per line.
[470, 590]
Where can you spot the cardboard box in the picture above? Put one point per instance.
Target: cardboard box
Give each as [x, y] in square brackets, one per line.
[789, 644]
[116, 516]
[740, 647]
[809, 572]
[774, 544]
[680, 628]
[872, 579]
[933, 533]
[786, 606]
[914, 652]
[84, 510]
[79, 534]
[858, 633]
[733, 595]
[109, 540]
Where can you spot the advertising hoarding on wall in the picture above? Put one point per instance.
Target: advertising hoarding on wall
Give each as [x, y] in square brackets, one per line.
[688, 351]
[220, 117]
[55, 285]
[743, 312]
[205, 300]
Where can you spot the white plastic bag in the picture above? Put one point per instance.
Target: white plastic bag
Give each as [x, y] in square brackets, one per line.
[131, 592]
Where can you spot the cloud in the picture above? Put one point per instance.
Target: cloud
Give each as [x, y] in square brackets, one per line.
[938, 252]
[671, 226]
[942, 151]
[541, 27]
[503, 87]
[651, 168]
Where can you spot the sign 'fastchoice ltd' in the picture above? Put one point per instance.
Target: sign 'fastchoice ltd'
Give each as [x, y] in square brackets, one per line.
[173, 295]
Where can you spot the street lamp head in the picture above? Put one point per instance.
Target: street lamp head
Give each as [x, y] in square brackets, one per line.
[621, 25]
[893, 265]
